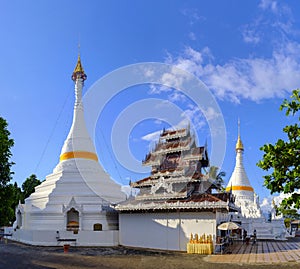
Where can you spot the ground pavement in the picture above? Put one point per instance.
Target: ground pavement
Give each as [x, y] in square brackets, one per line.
[263, 252]
[265, 255]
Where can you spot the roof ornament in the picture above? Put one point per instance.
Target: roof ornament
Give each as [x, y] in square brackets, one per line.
[239, 144]
[79, 71]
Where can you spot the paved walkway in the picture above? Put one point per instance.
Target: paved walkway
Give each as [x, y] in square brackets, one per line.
[262, 252]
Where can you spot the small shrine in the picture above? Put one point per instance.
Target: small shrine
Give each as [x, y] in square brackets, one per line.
[180, 196]
[200, 244]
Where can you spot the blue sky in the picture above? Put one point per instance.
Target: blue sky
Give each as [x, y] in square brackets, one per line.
[246, 52]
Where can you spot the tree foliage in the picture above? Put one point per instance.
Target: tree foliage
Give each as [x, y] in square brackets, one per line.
[7, 212]
[10, 194]
[6, 144]
[217, 177]
[282, 159]
[17, 195]
[290, 213]
[29, 184]
[6, 190]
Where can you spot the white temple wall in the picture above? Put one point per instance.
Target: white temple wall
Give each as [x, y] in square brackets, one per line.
[59, 221]
[98, 238]
[44, 222]
[169, 231]
[88, 221]
[83, 238]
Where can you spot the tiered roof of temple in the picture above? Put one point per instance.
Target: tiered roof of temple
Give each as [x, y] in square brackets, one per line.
[178, 177]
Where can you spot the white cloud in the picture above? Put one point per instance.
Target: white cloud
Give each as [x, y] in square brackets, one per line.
[157, 121]
[149, 73]
[192, 36]
[269, 4]
[272, 24]
[211, 114]
[251, 36]
[171, 81]
[250, 78]
[193, 15]
[191, 116]
[129, 191]
[177, 96]
[254, 78]
[192, 60]
[278, 8]
[194, 115]
[183, 123]
[152, 136]
[266, 203]
[157, 89]
[163, 104]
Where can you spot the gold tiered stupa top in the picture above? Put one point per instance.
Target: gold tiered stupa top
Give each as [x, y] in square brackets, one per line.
[79, 71]
[239, 144]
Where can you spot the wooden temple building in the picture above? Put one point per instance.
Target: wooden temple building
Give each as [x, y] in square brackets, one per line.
[177, 199]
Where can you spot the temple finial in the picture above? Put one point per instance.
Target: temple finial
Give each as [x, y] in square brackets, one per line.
[78, 71]
[78, 44]
[239, 144]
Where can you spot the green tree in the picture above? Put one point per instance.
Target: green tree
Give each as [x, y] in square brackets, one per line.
[29, 184]
[282, 159]
[217, 177]
[6, 144]
[12, 195]
[7, 210]
[290, 213]
[17, 195]
[6, 190]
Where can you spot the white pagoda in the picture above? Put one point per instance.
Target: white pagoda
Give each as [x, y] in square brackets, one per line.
[250, 216]
[73, 203]
[178, 198]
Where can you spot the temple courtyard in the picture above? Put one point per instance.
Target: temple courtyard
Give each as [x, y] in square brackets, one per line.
[265, 254]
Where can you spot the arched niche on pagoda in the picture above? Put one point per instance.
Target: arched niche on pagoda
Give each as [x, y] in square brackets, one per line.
[72, 220]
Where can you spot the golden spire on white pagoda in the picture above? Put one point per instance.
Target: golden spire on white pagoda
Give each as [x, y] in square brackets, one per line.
[239, 183]
[78, 71]
[239, 144]
[78, 144]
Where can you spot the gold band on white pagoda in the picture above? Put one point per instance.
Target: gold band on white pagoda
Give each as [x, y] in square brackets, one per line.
[239, 188]
[78, 154]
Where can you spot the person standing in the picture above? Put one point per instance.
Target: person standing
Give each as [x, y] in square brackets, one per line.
[244, 235]
[254, 236]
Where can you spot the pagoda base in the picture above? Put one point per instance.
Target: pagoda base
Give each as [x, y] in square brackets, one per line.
[60, 238]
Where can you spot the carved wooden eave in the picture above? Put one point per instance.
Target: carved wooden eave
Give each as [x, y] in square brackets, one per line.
[219, 201]
[174, 134]
[154, 179]
[178, 205]
[159, 196]
[171, 150]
